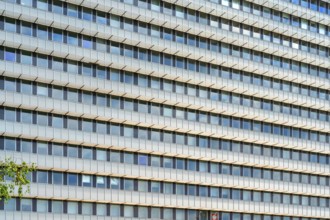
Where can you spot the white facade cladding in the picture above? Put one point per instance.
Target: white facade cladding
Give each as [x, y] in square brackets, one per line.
[163, 109]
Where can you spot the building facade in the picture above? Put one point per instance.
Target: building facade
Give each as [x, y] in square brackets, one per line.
[166, 109]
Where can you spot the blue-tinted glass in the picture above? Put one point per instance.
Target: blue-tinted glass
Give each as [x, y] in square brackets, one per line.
[10, 55]
[26, 29]
[42, 4]
[10, 205]
[87, 42]
[57, 7]
[72, 10]
[10, 144]
[72, 179]
[42, 176]
[57, 36]
[180, 163]
[143, 159]
[10, 25]
[57, 178]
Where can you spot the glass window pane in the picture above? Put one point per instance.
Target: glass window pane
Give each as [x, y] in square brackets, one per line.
[42, 205]
[72, 208]
[26, 205]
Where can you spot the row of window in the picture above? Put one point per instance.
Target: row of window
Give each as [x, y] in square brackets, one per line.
[74, 179]
[58, 35]
[86, 69]
[196, 16]
[60, 121]
[93, 98]
[315, 5]
[108, 46]
[141, 159]
[276, 15]
[57, 149]
[128, 104]
[129, 211]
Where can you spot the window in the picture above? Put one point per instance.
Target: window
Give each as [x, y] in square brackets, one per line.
[115, 210]
[87, 14]
[42, 61]
[87, 125]
[42, 32]
[26, 146]
[10, 144]
[72, 151]
[72, 67]
[168, 188]
[57, 7]
[168, 162]
[115, 156]
[42, 177]
[87, 153]
[10, 55]
[26, 204]
[155, 187]
[87, 208]
[101, 155]
[42, 119]
[128, 184]
[57, 35]
[42, 89]
[42, 4]
[100, 181]
[42, 205]
[128, 211]
[168, 213]
[10, 205]
[26, 28]
[155, 213]
[115, 21]
[143, 186]
[42, 148]
[72, 208]
[57, 178]
[180, 189]
[129, 158]
[10, 25]
[143, 159]
[72, 10]
[87, 42]
[155, 5]
[72, 39]
[26, 86]
[57, 121]
[203, 191]
[114, 183]
[86, 180]
[180, 164]
[72, 179]
[101, 209]
[72, 95]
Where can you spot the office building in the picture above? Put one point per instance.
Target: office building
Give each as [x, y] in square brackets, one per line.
[166, 109]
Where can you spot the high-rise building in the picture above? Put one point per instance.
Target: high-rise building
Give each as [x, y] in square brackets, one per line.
[167, 109]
